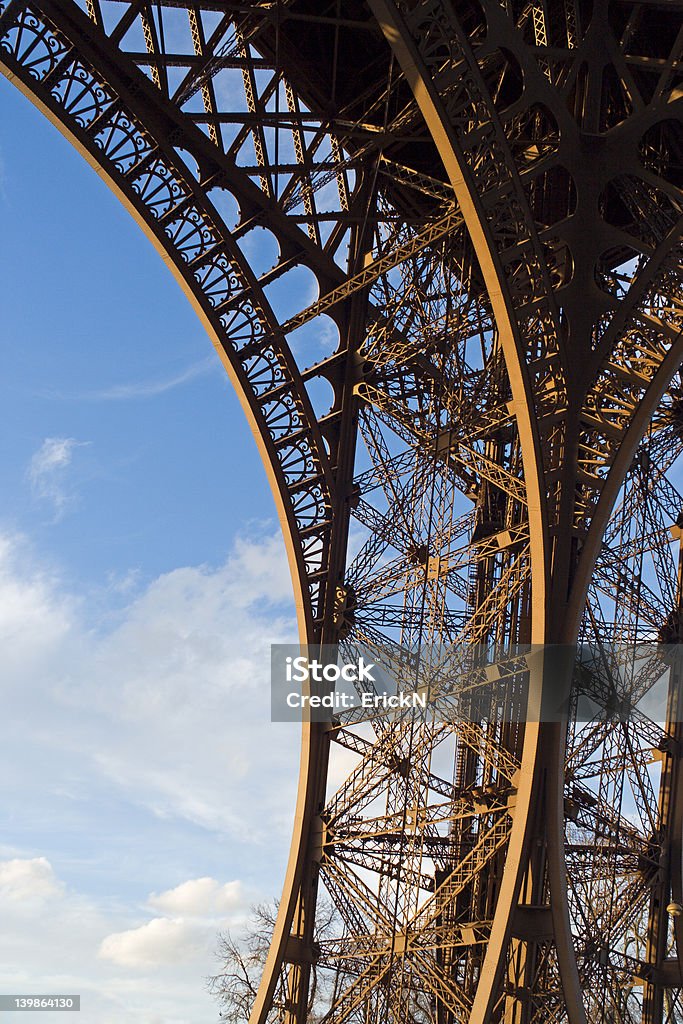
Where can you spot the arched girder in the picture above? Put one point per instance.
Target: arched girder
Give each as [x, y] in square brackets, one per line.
[122, 127]
[123, 131]
[637, 428]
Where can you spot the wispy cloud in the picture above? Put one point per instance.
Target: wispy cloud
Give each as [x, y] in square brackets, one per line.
[165, 677]
[47, 471]
[144, 731]
[151, 388]
[139, 389]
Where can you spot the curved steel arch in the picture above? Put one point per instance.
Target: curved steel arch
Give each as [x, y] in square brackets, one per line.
[117, 123]
[480, 243]
[115, 126]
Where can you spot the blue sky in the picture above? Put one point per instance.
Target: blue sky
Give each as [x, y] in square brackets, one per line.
[142, 578]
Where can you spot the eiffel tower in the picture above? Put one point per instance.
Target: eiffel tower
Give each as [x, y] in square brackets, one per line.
[471, 427]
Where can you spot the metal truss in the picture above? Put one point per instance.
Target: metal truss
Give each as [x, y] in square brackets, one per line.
[470, 423]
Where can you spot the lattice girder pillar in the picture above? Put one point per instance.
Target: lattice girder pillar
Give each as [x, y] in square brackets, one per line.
[541, 267]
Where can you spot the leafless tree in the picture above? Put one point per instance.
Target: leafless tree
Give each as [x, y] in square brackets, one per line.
[242, 959]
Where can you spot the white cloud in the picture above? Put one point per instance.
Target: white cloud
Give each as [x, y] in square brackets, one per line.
[161, 941]
[200, 897]
[33, 622]
[138, 758]
[194, 911]
[55, 939]
[28, 879]
[47, 471]
[171, 698]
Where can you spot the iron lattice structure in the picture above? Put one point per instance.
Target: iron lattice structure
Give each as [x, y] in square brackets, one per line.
[486, 197]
